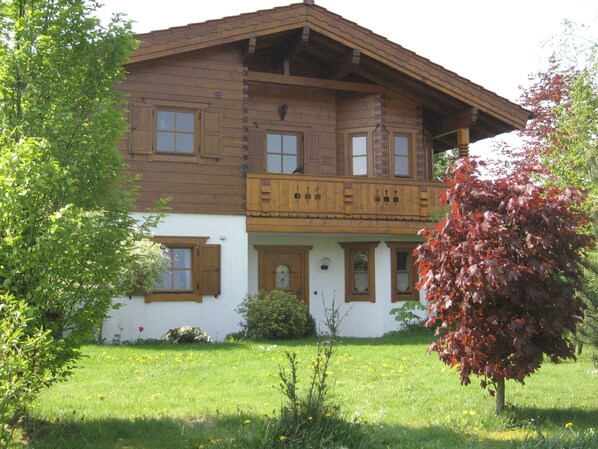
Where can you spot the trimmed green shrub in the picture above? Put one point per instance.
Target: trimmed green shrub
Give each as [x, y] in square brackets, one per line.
[275, 315]
[187, 334]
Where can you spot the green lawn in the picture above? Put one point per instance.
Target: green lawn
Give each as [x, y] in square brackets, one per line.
[201, 396]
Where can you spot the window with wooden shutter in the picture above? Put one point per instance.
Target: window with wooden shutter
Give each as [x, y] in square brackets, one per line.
[209, 270]
[191, 270]
[141, 118]
[211, 134]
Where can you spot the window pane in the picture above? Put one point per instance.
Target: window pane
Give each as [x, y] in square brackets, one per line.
[274, 163]
[402, 261]
[184, 143]
[274, 142]
[289, 164]
[181, 257]
[289, 144]
[165, 142]
[401, 146]
[360, 166]
[182, 280]
[359, 145]
[165, 282]
[360, 261]
[401, 166]
[283, 277]
[184, 121]
[165, 120]
[362, 281]
[403, 283]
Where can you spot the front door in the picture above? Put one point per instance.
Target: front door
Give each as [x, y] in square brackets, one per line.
[284, 268]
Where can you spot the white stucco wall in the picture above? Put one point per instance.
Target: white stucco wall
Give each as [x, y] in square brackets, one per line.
[363, 319]
[216, 316]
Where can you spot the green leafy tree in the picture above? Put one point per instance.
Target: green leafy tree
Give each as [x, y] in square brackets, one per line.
[65, 200]
[442, 162]
[562, 141]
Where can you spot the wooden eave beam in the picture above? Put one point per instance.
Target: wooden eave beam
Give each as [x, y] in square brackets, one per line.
[284, 56]
[348, 64]
[272, 78]
[394, 87]
[249, 52]
[451, 123]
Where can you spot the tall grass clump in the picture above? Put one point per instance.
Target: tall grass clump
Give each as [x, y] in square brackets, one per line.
[311, 418]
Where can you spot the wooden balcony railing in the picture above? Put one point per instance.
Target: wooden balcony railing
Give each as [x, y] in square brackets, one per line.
[275, 195]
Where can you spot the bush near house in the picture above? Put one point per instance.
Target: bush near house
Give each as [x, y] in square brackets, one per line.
[275, 315]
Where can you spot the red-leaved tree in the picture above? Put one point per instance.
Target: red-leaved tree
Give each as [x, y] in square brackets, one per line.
[500, 273]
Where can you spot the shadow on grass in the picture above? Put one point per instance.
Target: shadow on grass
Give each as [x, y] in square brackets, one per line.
[554, 417]
[221, 432]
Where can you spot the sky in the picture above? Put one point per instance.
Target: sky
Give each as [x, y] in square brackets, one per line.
[494, 44]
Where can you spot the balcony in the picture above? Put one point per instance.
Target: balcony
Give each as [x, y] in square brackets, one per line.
[322, 204]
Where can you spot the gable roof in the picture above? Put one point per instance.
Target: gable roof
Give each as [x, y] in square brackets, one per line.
[498, 113]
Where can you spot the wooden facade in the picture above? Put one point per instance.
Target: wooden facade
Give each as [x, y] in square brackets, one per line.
[326, 85]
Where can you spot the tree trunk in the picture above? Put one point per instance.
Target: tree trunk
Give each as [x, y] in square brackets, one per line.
[500, 395]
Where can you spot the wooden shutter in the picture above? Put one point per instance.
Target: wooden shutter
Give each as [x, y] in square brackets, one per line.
[141, 117]
[255, 151]
[211, 134]
[340, 154]
[312, 154]
[209, 270]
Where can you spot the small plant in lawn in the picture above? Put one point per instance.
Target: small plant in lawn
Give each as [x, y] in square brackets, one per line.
[309, 418]
[187, 334]
[333, 318]
[275, 315]
[407, 318]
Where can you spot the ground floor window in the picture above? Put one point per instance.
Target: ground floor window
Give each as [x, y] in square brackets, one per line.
[191, 270]
[359, 271]
[402, 271]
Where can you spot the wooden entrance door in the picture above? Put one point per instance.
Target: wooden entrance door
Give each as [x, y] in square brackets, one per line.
[284, 268]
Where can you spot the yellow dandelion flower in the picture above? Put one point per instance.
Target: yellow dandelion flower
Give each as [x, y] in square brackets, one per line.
[310, 418]
[328, 415]
[282, 438]
[568, 425]
[247, 421]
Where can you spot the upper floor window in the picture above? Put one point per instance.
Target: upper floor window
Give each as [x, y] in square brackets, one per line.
[401, 157]
[282, 152]
[175, 132]
[359, 155]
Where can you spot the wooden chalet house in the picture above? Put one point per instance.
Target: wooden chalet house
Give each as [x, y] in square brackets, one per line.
[297, 150]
